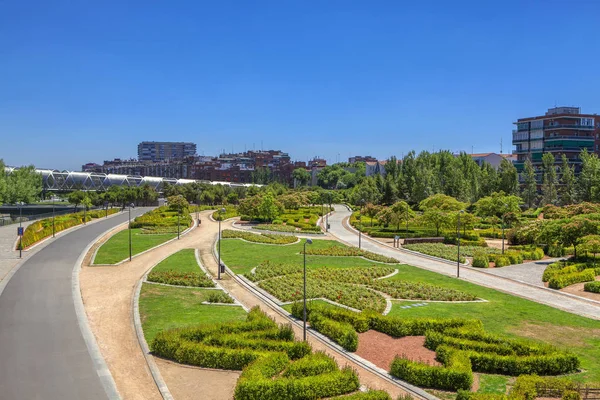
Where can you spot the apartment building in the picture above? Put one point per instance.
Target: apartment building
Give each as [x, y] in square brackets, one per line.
[165, 151]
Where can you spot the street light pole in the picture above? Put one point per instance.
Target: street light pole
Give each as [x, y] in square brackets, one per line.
[178, 224]
[20, 227]
[308, 241]
[362, 202]
[219, 262]
[458, 240]
[53, 228]
[503, 215]
[130, 232]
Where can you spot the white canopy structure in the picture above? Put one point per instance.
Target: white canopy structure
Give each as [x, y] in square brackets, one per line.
[56, 180]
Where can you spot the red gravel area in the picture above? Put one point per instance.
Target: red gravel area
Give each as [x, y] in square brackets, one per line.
[380, 349]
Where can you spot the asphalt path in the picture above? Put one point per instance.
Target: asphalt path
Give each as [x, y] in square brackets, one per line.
[570, 303]
[43, 354]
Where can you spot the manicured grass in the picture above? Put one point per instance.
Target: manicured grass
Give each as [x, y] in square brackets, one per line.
[117, 247]
[241, 256]
[495, 384]
[164, 307]
[182, 261]
[512, 316]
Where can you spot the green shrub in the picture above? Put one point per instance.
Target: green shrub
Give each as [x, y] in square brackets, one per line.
[340, 332]
[526, 386]
[400, 327]
[180, 278]
[359, 321]
[311, 365]
[592, 287]
[561, 281]
[343, 251]
[455, 375]
[546, 364]
[502, 261]
[571, 395]
[466, 395]
[481, 260]
[218, 296]
[514, 257]
[370, 395]
[258, 238]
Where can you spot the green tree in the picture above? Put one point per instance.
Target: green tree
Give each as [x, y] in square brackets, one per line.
[3, 194]
[301, 176]
[178, 203]
[371, 210]
[442, 202]
[269, 209]
[508, 177]
[591, 243]
[437, 219]
[572, 232]
[386, 216]
[549, 182]
[530, 184]
[588, 182]
[76, 198]
[567, 182]
[390, 192]
[498, 205]
[23, 185]
[404, 213]
[489, 180]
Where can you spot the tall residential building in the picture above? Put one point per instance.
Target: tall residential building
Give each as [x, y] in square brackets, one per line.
[562, 130]
[165, 151]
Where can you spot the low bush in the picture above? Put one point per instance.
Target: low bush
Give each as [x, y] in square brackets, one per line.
[400, 327]
[302, 228]
[258, 238]
[311, 365]
[564, 280]
[359, 321]
[419, 291]
[592, 287]
[439, 250]
[340, 332]
[481, 260]
[218, 296]
[501, 261]
[526, 386]
[370, 395]
[466, 395]
[180, 278]
[162, 217]
[230, 212]
[456, 374]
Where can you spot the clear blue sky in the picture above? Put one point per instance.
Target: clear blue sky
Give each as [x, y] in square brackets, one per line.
[84, 81]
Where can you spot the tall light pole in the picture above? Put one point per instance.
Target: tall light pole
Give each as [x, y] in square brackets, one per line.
[362, 202]
[503, 215]
[308, 241]
[178, 216]
[458, 240]
[53, 228]
[222, 211]
[130, 205]
[20, 229]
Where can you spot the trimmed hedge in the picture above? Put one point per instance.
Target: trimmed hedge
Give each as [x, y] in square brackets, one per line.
[370, 395]
[359, 321]
[561, 281]
[340, 251]
[311, 365]
[480, 260]
[400, 327]
[43, 228]
[592, 287]
[456, 374]
[340, 332]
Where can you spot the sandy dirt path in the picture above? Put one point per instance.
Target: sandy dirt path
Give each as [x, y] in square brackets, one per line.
[107, 294]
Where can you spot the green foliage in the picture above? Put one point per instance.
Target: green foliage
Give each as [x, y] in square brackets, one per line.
[564, 280]
[480, 259]
[180, 278]
[161, 217]
[340, 332]
[455, 375]
[497, 205]
[592, 287]
[437, 250]
[230, 212]
[344, 251]
[313, 364]
[419, 291]
[370, 395]
[22, 185]
[218, 296]
[258, 238]
[43, 228]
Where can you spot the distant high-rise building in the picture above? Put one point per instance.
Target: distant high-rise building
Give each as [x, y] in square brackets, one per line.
[562, 130]
[165, 151]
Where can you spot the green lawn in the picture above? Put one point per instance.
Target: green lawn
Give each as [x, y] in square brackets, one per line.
[511, 316]
[242, 256]
[503, 314]
[495, 384]
[182, 261]
[165, 307]
[117, 247]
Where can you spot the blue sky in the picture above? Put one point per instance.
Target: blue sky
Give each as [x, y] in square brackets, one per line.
[84, 81]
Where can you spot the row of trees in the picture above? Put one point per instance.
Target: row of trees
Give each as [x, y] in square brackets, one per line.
[22, 185]
[115, 195]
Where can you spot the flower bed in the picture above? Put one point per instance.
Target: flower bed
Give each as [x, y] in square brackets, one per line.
[180, 278]
[419, 291]
[562, 274]
[339, 251]
[258, 238]
[219, 297]
[288, 228]
[447, 252]
[161, 219]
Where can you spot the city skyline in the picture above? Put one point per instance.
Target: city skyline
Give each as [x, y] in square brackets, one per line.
[347, 79]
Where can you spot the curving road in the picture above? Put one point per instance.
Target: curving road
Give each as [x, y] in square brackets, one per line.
[573, 304]
[43, 354]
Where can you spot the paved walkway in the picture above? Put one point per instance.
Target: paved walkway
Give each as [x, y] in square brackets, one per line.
[530, 272]
[43, 354]
[8, 256]
[545, 296]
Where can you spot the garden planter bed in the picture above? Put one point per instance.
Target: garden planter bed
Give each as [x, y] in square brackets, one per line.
[380, 349]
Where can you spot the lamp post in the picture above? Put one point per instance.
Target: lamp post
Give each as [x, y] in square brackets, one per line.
[308, 241]
[20, 227]
[53, 228]
[458, 240]
[222, 211]
[503, 215]
[362, 202]
[106, 208]
[130, 205]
